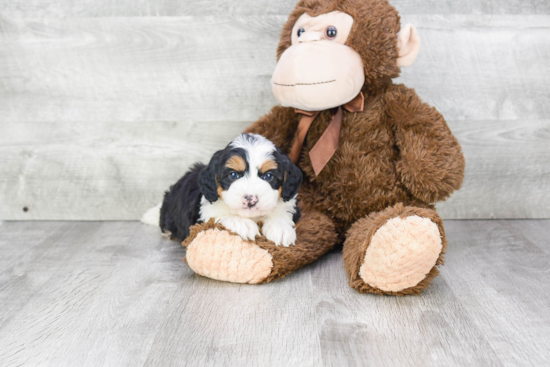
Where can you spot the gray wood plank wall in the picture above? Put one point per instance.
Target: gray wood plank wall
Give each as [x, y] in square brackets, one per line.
[104, 104]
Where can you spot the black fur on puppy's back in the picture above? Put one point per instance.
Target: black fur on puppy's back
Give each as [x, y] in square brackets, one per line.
[181, 205]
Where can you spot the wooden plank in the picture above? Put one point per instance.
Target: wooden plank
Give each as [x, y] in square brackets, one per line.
[21, 245]
[210, 323]
[483, 67]
[479, 312]
[171, 69]
[502, 280]
[536, 232]
[485, 7]
[430, 330]
[99, 116]
[137, 69]
[106, 286]
[99, 170]
[154, 8]
[110, 171]
[117, 294]
[507, 170]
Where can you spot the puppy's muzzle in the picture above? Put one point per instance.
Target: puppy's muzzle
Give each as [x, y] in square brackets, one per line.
[250, 200]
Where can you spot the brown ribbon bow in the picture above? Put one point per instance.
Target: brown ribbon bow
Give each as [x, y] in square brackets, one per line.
[327, 144]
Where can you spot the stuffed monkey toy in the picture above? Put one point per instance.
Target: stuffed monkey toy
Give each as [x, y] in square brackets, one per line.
[375, 158]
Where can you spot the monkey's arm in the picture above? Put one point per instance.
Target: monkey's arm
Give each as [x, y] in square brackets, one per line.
[431, 163]
[279, 126]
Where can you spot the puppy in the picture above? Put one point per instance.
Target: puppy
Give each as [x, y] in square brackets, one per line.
[249, 181]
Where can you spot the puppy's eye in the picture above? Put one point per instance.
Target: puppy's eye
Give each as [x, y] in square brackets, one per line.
[300, 31]
[331, 32]
[267, 177]
[234, 175]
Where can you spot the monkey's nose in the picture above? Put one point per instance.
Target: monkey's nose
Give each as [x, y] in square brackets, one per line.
[250, 200]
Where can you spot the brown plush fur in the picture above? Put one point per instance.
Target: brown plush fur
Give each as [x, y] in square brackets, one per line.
[396, 158]
[398, 150]
[316, 236]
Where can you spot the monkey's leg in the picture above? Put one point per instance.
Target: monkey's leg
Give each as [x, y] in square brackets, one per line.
[395, 251]
[214, 252]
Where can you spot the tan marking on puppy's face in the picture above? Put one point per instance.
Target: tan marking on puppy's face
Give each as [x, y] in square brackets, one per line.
[237, 163]
[268, 164]
[220, 189]
[281, 188]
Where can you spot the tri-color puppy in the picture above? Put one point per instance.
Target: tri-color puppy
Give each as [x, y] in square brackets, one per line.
[249, 181]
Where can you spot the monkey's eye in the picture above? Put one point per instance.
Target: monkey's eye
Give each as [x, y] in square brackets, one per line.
[234, 175]
[331, 32]
[300, 31]
[267, 177]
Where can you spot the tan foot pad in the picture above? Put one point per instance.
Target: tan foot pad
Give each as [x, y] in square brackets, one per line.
[220, 255]
[401, 253]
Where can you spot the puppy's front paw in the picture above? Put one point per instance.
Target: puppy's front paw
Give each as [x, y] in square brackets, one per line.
[244, 227]
[280, 232]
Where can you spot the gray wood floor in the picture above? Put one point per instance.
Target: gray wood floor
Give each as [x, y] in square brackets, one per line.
[117, 294]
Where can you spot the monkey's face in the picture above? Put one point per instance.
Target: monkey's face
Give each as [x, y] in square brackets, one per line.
[318, 71]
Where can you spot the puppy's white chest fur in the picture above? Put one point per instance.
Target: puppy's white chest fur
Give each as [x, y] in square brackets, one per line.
[278, 225]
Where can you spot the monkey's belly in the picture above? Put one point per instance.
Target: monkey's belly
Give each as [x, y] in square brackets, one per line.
[350, 191]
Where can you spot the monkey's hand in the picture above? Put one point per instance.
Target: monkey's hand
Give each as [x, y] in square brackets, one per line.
[430, 163]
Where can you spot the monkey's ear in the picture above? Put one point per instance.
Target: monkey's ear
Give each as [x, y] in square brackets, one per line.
[207, 179]
[408, 45]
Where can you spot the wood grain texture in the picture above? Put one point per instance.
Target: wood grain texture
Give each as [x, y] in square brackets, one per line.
[100, 115]
[121, 172]
[86, 294]
[99, 170]
[137, 69]
[507, 170]
[497, 260]
[271, 325]
[479, 312]
[117, 294]
[156, 8]
[125, 170]
[483, 67]
[219, 68]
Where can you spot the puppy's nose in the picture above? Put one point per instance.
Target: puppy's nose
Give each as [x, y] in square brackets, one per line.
[250, 200]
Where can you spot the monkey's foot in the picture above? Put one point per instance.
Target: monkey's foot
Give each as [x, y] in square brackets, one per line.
[215, 252]
[395, 251]
[218, 254]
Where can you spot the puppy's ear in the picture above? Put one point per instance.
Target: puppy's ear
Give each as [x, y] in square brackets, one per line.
[208, 180]
[293, 177]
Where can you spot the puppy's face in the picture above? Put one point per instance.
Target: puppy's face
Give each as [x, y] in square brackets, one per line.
[250, 175]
